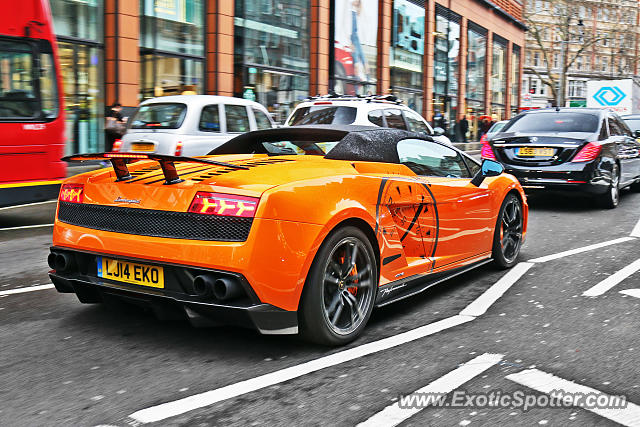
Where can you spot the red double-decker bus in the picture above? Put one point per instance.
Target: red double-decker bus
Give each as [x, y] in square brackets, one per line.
[31, 104]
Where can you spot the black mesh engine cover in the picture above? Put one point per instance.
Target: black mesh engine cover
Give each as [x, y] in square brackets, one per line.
[148, 222]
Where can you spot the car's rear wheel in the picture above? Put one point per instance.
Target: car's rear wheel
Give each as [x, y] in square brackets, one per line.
[507, 237]
[340, 289]
[610, 199]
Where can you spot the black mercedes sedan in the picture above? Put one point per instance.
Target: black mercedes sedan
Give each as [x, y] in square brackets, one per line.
[569, 149]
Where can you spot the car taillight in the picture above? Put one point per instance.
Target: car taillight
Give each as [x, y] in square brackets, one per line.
[178, 151]
[116, 145]
[72, 193]
[588, 152]
[224, 204]
[487, 152]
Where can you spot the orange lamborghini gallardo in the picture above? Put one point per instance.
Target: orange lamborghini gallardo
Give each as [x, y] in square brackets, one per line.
[295, 230]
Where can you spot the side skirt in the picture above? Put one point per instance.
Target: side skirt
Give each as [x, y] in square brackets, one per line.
[409, 286]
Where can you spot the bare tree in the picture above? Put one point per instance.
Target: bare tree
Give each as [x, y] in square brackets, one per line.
[565, 27]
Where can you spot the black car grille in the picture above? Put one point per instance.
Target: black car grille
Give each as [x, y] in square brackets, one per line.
[147, 222]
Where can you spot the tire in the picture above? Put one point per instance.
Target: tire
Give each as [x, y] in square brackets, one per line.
[610, 199]
[332, 312]
[507, 237]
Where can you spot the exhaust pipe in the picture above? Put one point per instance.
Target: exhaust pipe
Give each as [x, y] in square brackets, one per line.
[203, 285]
[63, 262]
[51, 260]
[225, 289]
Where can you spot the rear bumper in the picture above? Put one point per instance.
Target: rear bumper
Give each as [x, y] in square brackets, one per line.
[570, 177]
[177, 299]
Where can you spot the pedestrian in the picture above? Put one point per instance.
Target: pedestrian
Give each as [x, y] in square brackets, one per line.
[464, 127]
[114, 127]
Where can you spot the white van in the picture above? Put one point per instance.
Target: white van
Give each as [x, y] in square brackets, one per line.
[191, 125]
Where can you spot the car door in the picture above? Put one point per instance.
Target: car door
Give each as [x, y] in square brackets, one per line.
[630, 156]
[463, 212]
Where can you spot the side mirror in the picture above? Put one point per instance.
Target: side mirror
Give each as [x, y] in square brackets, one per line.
[489, 168]
[636, 133]
[438, 131]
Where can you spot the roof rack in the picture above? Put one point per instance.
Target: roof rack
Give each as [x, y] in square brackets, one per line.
[387, 99]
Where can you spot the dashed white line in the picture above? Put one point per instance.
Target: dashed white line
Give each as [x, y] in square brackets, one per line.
[481, 304]
[612, 280]
[548, 384]
[393, 414]
[22, 227]
[177, 407]
[29, 204]
[636, 230]
[26, 289]
[580, 250]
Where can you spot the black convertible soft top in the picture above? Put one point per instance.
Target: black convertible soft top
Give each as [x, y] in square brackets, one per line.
[356, 143]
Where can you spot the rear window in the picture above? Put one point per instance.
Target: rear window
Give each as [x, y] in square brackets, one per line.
[323, 115]
[302, 148]
[159, 116]
[553, 122]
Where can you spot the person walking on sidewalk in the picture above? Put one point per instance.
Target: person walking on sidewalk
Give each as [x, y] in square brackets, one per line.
[463, 124]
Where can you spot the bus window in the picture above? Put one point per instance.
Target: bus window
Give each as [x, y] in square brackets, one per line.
[17, 92]
[48, 87]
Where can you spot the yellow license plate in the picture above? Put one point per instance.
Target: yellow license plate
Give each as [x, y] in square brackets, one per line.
[535, 152]
[142, 146]
[131, 272]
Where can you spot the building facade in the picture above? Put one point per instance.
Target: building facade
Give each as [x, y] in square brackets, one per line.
[596, 39]
[444, 58]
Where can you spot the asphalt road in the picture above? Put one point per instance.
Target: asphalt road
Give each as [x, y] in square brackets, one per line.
[65, 363]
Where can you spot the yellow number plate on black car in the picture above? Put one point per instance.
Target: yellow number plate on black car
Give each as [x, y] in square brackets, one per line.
[130, 272]
[534, 152]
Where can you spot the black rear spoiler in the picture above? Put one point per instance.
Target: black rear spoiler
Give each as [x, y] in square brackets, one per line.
[120, 160]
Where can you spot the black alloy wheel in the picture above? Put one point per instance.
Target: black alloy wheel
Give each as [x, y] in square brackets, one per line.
[507, 239]
[340, 290]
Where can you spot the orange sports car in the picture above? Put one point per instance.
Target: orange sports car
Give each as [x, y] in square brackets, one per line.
[294, 230]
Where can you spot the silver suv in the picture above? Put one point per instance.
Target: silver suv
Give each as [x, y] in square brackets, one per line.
[366, 111]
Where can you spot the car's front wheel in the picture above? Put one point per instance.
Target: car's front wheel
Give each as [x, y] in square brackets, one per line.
[340, 289]
[507, 237]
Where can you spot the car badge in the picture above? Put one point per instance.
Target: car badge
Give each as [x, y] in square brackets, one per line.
[534, 139]
[121, 200]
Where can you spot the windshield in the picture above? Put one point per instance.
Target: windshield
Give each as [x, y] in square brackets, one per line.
[323, 115]
[26, 92]
[634, 124]
[301, 148]
[554, 122]
[159, 116]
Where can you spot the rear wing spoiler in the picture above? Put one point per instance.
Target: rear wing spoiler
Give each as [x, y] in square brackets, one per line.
[120, 160]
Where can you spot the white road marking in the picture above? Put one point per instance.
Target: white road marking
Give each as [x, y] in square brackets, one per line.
[548, 384]
[612, 280]
[177, 407]
[631, 292]
[29, 204]
[26, 227]
[636, 230]
[476, 308]
[481, 304]
[580, 250]
[393, 414]
[27, 289]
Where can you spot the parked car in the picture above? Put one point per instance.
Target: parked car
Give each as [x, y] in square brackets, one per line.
[573, 149]
[256, 235]
[383, 111]
[191, 125]
[495, 128]
[633, 121]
